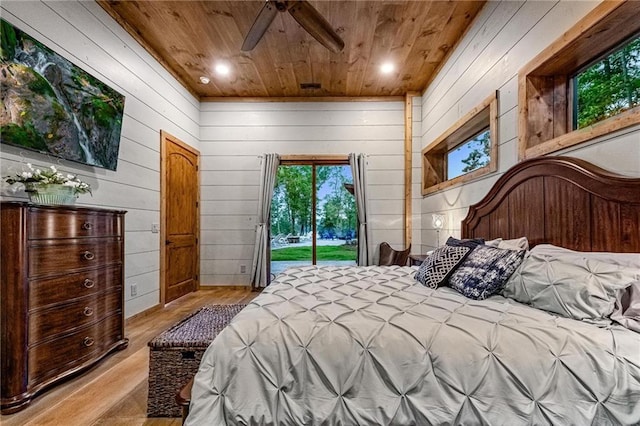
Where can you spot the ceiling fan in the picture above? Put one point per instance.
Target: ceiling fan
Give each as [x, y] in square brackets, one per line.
[306, 15]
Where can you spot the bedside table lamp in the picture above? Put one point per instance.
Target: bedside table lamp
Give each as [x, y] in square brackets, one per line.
[438, 224]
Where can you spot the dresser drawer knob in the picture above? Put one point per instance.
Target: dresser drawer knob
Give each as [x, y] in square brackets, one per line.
[88, 341]
[87, 311]
[88, 255]
[87, 225]
[89, 283]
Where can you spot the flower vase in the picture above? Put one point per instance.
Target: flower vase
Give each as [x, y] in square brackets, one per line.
[51, 194]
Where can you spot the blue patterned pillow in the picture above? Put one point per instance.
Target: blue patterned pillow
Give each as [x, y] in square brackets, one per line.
[437, 267]
[470, 242]
[485, 271]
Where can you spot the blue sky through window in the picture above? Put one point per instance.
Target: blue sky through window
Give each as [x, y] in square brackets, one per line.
[455, 165]
[326, 188]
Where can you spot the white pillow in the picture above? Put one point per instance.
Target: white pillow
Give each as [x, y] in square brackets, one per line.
[493, 243]
[569, 283]
[622, 259]
[515, 244]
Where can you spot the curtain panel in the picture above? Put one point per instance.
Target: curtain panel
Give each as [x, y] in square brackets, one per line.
[260, 264]
[358, 163]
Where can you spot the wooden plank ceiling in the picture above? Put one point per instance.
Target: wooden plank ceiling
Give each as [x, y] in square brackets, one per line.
[191, 37]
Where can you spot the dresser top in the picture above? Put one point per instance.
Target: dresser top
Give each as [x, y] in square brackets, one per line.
[24, 204]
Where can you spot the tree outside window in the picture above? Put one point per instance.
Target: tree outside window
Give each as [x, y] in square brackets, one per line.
[469, 156]
[608, 87]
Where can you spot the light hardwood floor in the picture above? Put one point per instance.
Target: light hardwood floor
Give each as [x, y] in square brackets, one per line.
[115, 391]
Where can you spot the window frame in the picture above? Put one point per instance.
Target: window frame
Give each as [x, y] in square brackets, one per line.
[434, 156]
[545, 84]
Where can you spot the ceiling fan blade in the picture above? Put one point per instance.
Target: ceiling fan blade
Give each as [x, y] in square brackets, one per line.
[260, 25]
[315, 24]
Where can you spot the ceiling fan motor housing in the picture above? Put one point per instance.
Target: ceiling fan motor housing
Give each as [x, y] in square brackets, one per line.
[282, 6]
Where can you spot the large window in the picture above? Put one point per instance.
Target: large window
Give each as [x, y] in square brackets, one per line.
[584, 85]
[468, 149]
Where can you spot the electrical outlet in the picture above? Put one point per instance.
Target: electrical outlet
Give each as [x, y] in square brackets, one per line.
[243, 269]
[155, 228]
[134, 289]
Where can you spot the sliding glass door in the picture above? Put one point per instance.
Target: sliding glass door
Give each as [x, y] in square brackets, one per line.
[335, 217]
[313, 215]
[291, 218]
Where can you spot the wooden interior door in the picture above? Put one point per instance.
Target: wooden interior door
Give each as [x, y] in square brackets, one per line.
[180, 216]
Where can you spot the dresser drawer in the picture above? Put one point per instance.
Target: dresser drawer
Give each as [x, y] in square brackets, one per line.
[49, 359]
[47, 224]
[51, 291]
[59, 257]
[65, 317]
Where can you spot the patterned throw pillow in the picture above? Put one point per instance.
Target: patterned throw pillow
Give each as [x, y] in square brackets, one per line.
[471, 242]
[485, 271]
[437, 267]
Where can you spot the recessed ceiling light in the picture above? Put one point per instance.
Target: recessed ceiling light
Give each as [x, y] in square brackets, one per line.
[222, 69]
[204, 80]
[387, 67]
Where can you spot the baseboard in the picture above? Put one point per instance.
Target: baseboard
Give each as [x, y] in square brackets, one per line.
[142, 314]
[158, 307]
[224, 287]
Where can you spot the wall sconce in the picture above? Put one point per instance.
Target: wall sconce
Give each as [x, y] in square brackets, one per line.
[438, 224]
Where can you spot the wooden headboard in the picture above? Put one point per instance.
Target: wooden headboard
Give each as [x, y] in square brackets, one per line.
[562, 201]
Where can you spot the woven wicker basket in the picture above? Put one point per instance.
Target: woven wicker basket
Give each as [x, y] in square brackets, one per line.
[169, 370]
[174, 355]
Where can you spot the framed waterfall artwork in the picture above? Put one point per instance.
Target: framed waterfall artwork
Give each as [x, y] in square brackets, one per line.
[54, 107]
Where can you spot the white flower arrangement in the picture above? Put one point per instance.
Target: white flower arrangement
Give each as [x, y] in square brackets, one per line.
[33, 177]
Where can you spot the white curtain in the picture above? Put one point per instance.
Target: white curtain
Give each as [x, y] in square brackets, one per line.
[260, 265]
[358, 164]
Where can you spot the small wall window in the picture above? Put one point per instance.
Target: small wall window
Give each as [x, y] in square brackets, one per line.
[468, 149]
[585, 84]
[471, 155]
[608, 87]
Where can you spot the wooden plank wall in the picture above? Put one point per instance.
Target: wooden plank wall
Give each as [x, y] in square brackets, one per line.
[84, 34]
[234, 134]
[416, 176]
[504, 37]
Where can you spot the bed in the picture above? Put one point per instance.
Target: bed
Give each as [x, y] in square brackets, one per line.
[371, 345]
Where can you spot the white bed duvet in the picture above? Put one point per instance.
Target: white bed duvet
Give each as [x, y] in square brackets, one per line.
[371, 346]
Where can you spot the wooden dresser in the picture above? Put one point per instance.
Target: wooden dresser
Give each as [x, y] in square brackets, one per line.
[61, 305]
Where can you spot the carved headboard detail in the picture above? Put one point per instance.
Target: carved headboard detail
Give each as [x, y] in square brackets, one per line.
[562, 201]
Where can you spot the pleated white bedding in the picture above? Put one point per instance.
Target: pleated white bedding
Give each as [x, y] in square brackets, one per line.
[371, 346]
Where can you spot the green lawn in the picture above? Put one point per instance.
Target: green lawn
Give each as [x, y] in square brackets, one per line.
[343, 252]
